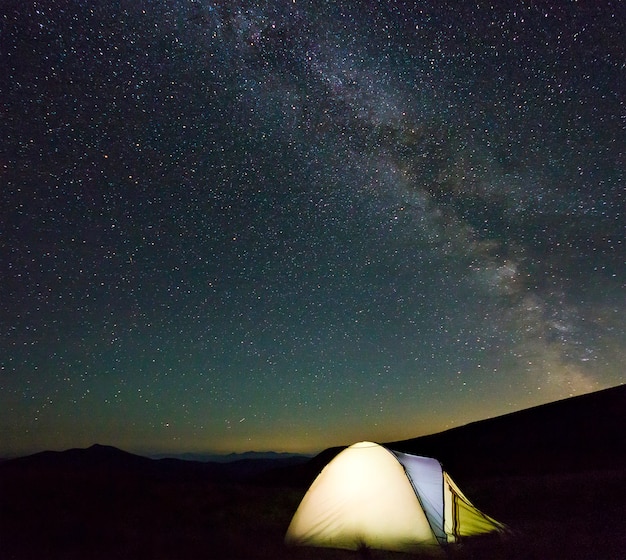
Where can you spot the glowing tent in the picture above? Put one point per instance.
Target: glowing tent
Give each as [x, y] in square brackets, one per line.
[371, 497]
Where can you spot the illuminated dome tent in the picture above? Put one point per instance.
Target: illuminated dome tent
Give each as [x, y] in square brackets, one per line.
[371, 497]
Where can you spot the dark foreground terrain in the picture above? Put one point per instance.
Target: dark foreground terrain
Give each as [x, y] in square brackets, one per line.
[103, 503]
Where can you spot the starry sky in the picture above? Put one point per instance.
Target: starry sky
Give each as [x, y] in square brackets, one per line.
[291, 224]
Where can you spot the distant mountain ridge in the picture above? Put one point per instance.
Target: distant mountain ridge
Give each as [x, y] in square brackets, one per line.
[581, 433]
[229, 457]
[105, 461]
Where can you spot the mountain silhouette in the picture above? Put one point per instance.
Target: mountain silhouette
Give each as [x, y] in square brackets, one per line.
[576, 434]
[583, 433]
[555, 474]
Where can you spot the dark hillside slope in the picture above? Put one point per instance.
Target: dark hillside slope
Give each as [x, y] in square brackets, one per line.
[583, 433]
[578, 434]
[554, 474]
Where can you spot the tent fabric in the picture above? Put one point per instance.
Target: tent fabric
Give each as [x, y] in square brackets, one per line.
[370, 496]
[426, 477]
[464, 519]
[361, 498]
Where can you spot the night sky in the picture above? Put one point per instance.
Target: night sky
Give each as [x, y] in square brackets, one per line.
[288, 224]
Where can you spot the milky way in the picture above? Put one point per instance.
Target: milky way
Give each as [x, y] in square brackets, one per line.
[290, 225]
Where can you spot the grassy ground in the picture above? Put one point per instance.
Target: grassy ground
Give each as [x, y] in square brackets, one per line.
[571, 517]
